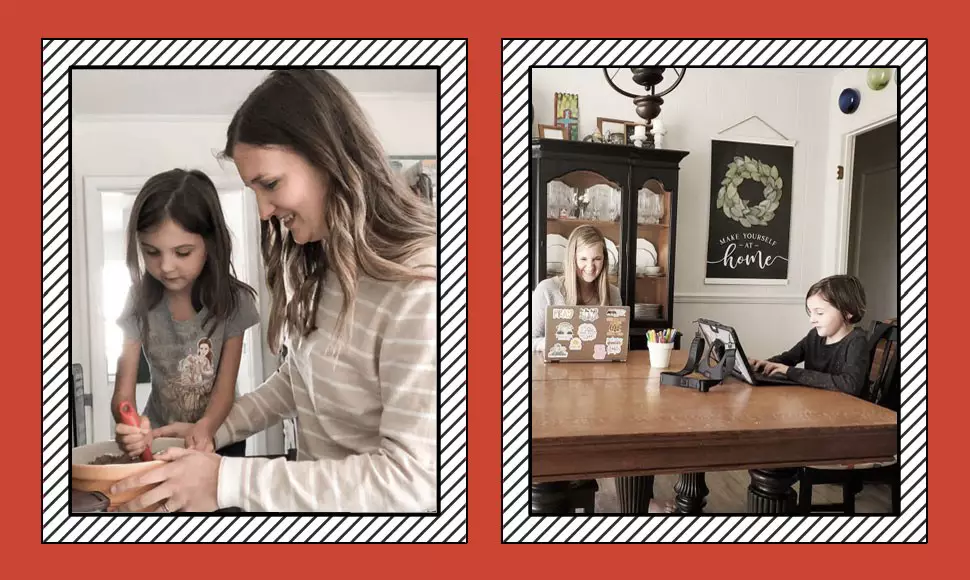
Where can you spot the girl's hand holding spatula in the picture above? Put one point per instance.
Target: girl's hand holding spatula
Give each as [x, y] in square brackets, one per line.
[134, 440]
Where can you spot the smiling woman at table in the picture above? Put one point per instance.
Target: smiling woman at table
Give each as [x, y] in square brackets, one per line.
[584, 281]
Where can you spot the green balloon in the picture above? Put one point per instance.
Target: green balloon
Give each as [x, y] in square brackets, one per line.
[878, 78]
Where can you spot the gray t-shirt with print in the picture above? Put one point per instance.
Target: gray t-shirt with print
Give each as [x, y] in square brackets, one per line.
[184, 358]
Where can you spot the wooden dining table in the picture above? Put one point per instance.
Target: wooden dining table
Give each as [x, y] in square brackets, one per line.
[615, 419]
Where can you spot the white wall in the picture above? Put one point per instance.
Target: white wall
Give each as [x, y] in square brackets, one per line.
[875, 108]
[795, 102]
[144, 145]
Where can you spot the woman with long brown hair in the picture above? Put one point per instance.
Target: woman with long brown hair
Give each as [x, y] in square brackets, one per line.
[350, 258]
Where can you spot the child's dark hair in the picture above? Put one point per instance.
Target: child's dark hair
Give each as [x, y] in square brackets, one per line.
[843, 292]
[190, 199]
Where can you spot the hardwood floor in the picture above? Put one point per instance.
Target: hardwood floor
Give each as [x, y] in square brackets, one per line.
[728, 494]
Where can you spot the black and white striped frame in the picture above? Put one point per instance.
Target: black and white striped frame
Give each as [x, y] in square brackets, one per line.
[518, 56]
[449, 57]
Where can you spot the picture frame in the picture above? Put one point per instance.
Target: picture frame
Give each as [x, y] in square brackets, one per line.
[557, 132]
[565, 107]
[617, 127]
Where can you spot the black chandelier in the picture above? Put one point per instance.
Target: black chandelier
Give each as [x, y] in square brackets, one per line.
[648, 105]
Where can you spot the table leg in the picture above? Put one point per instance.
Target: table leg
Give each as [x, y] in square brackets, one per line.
[691, 493]
[550, 498]
[771, 491]
[634, 493]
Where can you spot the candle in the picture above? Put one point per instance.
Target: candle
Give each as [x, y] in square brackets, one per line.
[640, 131]
[658, 133]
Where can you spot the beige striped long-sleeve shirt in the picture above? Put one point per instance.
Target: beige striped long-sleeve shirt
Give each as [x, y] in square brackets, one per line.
[367, 420]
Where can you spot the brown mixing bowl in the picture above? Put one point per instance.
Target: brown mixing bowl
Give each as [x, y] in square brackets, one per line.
[87, 477]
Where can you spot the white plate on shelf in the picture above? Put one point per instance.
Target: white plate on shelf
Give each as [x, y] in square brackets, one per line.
[646, 255]
[555, 253]
[614, 255]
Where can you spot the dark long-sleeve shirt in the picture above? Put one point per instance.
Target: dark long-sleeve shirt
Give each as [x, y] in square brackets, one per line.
[834, 367]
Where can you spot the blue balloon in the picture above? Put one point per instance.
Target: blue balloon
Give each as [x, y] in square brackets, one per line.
[849, 101]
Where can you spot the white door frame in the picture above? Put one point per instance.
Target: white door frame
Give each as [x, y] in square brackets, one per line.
[94, 250]
[844, 207]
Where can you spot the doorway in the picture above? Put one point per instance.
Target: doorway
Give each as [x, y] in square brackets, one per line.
[873, 241]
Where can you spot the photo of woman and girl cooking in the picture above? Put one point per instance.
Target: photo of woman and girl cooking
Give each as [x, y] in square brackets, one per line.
[349, 251]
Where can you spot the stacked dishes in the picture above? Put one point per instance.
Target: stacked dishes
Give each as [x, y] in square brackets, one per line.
[646, 311]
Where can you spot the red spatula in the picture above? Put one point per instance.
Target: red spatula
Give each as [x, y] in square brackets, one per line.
[130, 417]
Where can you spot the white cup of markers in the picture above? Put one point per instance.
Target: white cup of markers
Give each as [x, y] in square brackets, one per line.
[660, 343]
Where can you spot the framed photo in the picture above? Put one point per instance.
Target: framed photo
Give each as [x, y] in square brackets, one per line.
[614, 131]
[552, 132]
[566, 108]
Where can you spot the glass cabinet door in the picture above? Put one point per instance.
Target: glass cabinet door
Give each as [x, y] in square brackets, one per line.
[650, 297]
[581, 198]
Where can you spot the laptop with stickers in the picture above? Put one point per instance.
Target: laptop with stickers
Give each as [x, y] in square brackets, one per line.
[587, 333]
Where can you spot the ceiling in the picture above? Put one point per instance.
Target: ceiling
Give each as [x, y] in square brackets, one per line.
[213, 92]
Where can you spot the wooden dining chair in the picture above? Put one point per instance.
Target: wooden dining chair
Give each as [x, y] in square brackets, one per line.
[882, 388]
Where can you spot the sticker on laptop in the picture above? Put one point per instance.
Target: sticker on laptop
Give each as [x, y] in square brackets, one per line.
[616, 313]
[589, 314]
[562, 313]
[558, 351]
[575, 344]
[615, 328]
[587, 332]
[599, 351]
[564, 331]
[614, 345]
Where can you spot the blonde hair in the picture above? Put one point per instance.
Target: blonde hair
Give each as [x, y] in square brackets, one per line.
[376, 224]
[582, 237]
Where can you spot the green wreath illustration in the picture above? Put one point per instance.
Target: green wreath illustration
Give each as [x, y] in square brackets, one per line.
[736, 208]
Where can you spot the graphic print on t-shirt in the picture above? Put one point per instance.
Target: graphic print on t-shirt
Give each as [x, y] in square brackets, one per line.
[188, 395]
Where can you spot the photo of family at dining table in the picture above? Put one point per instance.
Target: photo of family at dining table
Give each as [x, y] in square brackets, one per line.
[835, 355]
[714, 322]
[347, 247]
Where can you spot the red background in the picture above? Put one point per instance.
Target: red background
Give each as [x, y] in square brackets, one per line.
[485, 26]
